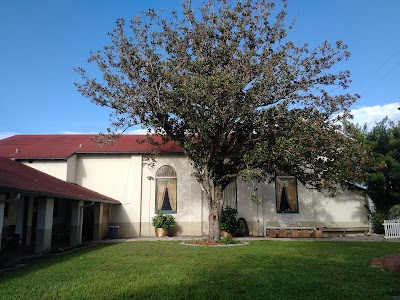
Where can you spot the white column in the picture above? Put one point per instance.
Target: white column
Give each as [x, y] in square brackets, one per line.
[44, 225]
[98, 221]
[2, 201]
[76, 223]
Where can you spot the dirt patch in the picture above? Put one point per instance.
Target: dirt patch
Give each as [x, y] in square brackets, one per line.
[389, 262]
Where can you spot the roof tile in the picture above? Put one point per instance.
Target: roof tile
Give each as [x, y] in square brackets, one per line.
[62, 146]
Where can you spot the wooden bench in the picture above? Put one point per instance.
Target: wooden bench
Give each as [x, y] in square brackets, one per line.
[343, 230]
[291, 231]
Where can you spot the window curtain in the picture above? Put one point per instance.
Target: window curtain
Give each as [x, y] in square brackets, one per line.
[287, 186]
[230, 195]
[160, 193]
[279, 189]
[162, 185]
[291, 194]
[171, 185]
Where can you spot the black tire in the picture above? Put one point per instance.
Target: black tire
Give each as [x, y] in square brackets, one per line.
[243, 229]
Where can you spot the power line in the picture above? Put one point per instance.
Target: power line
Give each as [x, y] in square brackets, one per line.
[382, 78]
[374, 72]
[371, 88]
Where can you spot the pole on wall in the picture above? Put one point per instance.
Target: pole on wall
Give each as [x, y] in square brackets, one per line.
[150, 178]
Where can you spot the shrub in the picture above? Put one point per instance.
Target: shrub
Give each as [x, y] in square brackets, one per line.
[163, 221]
[394, 211]
[228, 220]
[229, 241]
[377, 219]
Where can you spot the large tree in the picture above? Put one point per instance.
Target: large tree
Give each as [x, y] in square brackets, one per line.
[227, 84]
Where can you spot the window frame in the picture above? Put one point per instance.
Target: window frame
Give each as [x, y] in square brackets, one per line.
[278, 204]
[158, 178]
[230, 190]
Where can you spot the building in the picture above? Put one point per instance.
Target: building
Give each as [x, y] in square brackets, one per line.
[39, 210]
[122, 171]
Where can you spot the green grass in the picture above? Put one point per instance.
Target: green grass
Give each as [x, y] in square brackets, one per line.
[168, 270]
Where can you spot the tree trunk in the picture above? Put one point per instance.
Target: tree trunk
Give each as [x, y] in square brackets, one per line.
[215, 207]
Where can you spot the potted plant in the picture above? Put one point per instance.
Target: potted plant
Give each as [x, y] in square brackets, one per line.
[163, 223]
[227, 223]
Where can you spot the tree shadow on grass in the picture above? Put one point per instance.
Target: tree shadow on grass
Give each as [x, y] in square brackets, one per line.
[37, 263]
[167, 270]
[278, 275]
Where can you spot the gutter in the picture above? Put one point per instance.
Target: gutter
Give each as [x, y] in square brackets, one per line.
[38, 193]
[89, 152]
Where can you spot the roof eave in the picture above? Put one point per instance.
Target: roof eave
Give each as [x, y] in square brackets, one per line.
[41, 193]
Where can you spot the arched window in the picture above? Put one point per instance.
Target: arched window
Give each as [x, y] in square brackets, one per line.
[286, 194]
[166, 190]
[230, 195]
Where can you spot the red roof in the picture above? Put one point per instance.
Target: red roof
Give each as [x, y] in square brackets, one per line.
[19, 178]
[62, 146]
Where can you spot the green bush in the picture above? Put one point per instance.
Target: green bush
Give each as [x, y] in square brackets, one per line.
[394, 211]
[228, 220]
[163, 221]
[229, 241]
[377, 219]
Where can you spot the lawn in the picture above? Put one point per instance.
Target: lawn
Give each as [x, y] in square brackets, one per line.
[168, 270]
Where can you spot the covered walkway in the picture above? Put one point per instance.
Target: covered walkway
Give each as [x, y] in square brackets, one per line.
[39, 212]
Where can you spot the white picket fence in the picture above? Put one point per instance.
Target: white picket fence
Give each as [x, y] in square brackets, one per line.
[392, 228]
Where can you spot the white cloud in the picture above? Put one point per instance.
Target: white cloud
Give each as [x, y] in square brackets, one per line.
[139, 131]
[6, 134]
[136, 130]
[373, 114]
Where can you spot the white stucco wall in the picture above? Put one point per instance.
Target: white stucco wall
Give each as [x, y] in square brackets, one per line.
[116, 176]
[345, 209]
[71, 168]
[190, 205]
[124, 178]
[56, 168]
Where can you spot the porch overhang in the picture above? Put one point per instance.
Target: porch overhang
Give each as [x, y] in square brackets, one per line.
[26, 192]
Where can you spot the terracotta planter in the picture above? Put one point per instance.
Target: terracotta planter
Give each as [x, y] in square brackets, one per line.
[161, 232]
[225, 234]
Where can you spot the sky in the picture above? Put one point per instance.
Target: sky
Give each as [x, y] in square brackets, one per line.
[43, 40]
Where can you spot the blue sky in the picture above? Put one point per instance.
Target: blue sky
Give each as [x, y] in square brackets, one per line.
[43, 40]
